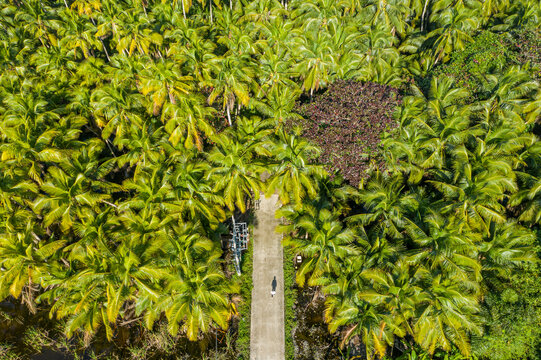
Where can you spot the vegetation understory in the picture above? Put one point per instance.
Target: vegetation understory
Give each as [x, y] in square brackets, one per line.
[401, 136]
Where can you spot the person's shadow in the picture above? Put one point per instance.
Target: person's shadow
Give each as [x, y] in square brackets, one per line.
[273, 284]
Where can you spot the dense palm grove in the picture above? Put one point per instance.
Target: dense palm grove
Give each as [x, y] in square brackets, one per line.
[131, 130]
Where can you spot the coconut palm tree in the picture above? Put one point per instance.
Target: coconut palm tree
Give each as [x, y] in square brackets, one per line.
[447, 248]
[318, 60]
[25, 126]
[116, 109]
[198, 57]
[135, 34]
[276, 72]
[235, 172]
[277, 33]
[510, 96]
[391, 13]
[294, 177]
[364, 320]
[77, 33]
[452, 33]
[163, 81]
[315, 12]
[194, 196]
[232, 83]
[66, 189]
[198, 299]
[476, 197]
[34, 18]
[386, 206]
[508, 246]
[445, 318]
[278, 105]
[23, 260]
[141, 146]
[324, 244]
[101, 291]
[188, 119]
[529, 195]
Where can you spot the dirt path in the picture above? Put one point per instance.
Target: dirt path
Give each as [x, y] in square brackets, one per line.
[267, 340]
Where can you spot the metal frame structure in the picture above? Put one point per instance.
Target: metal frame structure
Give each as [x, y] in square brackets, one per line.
[239, 241]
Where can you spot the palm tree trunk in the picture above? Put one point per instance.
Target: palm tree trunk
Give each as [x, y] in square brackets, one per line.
[110, 204]
[106, 52]
[144, 8]
[423, 15]
[171, 96]
[230, 4]
[109, 146]
[102, 43]
[228, 115]
[210, 5]
[183, 9]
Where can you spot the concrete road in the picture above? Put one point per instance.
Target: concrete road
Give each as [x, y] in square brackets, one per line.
[267, 340]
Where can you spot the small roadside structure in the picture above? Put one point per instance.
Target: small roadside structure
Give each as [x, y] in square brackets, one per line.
[297, 261]
[239, 241]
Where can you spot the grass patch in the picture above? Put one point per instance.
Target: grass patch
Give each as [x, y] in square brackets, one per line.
[243, 339]
[290, 296]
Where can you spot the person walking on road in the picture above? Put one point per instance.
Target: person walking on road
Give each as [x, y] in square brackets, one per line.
[273, 287]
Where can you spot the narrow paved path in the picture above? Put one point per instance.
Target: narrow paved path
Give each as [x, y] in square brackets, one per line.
[267, 340]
